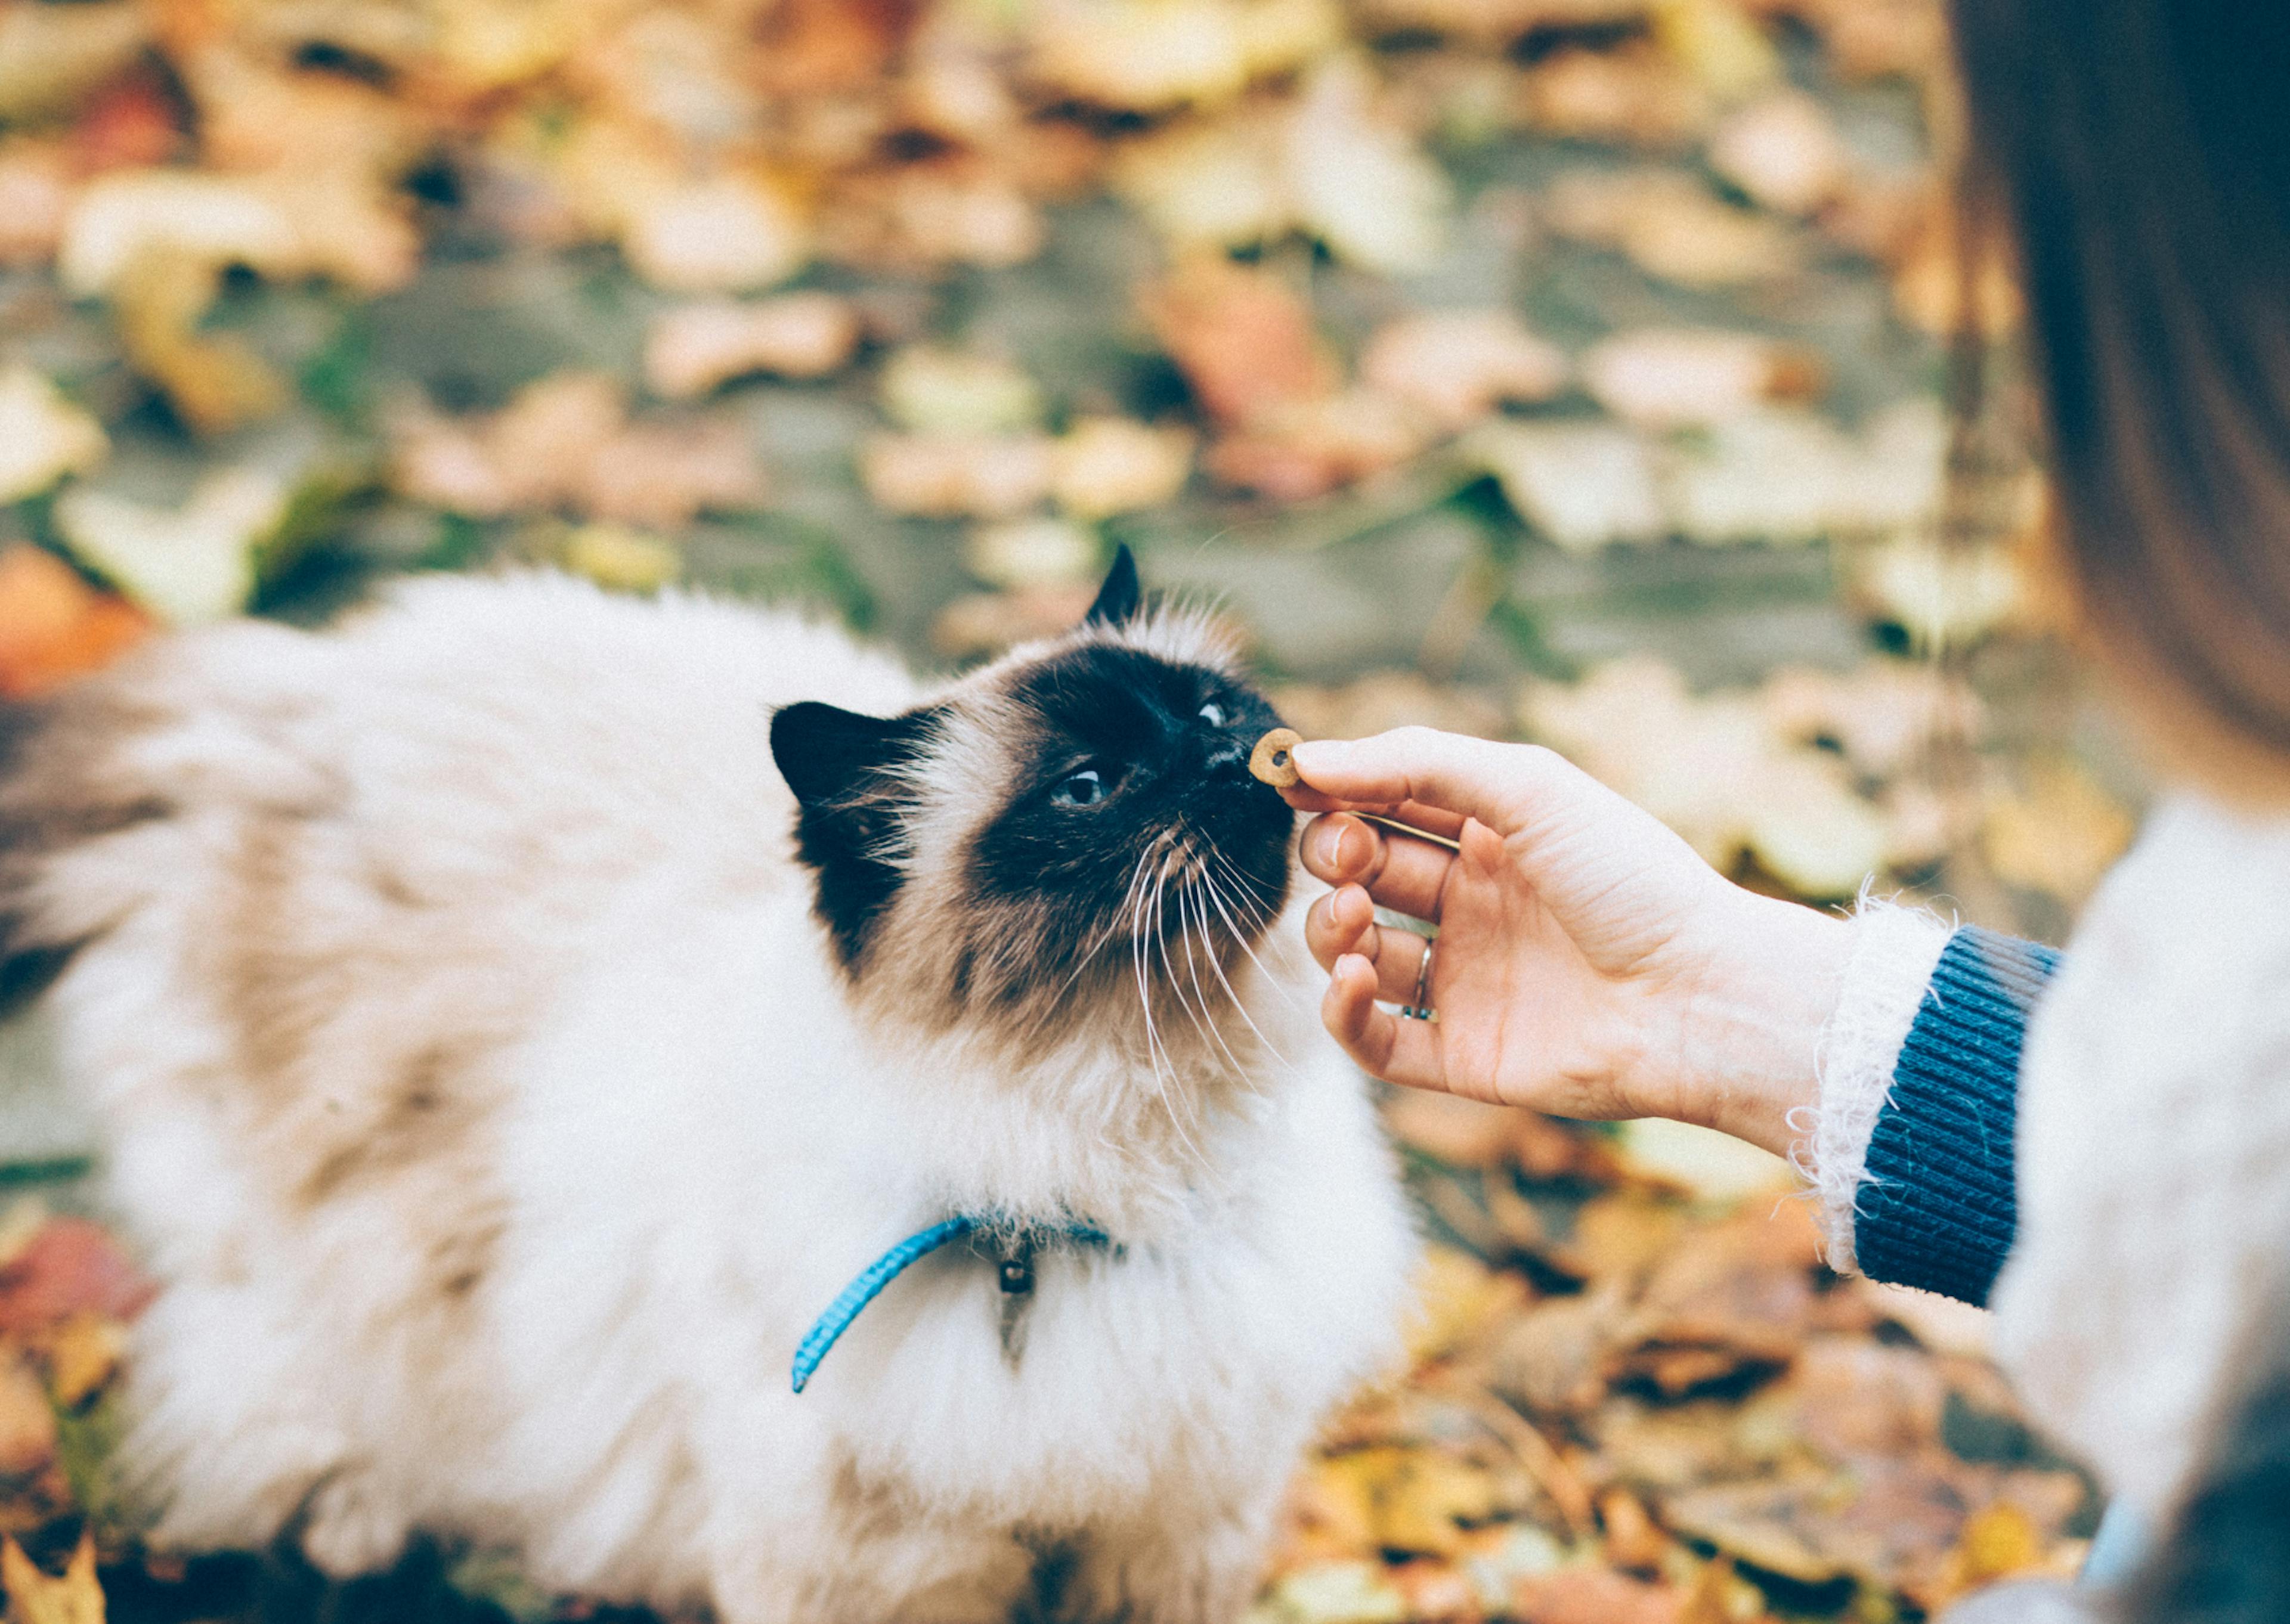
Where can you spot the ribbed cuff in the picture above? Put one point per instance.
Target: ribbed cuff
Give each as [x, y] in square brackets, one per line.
[1884, 984]
[1936, 1208]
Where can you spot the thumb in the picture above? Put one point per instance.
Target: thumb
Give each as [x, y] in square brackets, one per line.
[1472, 778]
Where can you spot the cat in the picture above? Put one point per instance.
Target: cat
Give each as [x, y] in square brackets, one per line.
[516, 1014]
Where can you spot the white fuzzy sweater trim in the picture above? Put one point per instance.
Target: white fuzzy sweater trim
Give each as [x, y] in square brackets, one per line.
[1876, 1002]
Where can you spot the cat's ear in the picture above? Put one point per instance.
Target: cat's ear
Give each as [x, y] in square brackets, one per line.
[831, 756]
[1120, 597]
[847, 773]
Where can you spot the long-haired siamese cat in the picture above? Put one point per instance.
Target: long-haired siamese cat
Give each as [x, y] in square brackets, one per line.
[653, 1088]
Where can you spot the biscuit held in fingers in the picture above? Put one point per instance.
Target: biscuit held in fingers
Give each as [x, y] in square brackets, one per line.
[1273, 761]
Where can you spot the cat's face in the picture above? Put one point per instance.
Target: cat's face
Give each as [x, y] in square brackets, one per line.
[1074, 822]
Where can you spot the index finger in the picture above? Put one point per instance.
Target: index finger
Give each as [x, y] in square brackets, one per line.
[1454, 775]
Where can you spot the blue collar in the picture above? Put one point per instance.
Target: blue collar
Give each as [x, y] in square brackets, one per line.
[1024, 1237]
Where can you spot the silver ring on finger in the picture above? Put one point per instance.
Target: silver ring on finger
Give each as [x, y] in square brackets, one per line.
[1418, 1007]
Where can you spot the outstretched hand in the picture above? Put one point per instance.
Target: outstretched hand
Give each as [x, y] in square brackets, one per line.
[1588, 964]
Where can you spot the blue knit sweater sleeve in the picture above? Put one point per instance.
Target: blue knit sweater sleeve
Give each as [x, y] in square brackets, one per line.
[1936, 1208]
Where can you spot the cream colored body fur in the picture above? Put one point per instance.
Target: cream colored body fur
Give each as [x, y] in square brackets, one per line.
[478, 1082]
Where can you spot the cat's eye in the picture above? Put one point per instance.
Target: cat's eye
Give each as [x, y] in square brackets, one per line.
[1213, 713]
[1085, 788]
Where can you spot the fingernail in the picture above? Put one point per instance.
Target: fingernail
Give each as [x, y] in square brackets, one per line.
[1328, 843]
[1320, 754]
[1351, 848]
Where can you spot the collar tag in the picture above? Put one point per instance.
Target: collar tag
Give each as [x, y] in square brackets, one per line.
[1016, 1254]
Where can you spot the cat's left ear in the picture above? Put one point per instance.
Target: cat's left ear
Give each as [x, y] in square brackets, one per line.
[1121, 598]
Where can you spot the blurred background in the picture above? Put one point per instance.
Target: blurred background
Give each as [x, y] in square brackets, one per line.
[1600, 372]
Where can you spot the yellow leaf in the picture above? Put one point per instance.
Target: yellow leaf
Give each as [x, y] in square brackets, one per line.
[1456, 1294]
[1718, 43]
[1995, 1544]
[624, 559]
[35, 1598]
[2058, 835]
[84, 1352]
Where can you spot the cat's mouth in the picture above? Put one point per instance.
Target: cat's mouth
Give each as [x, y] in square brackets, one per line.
[1194, 915]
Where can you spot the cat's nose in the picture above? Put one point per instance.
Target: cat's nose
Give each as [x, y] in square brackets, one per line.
[1226, 755]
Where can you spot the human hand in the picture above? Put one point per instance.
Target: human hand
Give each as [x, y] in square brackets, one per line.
[1590, 964]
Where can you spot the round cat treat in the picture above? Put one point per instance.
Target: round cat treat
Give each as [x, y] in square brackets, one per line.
[1273, 761]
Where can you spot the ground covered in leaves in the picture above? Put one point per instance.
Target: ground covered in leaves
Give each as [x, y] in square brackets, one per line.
[1599, 372]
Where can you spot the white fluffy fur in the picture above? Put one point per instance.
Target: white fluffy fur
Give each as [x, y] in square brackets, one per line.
[685, 1142]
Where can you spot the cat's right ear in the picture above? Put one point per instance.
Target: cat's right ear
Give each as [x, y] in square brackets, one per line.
[852, 795]
[1120, 597]
[829, 755]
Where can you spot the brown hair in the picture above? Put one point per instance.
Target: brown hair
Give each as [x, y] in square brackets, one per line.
[2140, 152]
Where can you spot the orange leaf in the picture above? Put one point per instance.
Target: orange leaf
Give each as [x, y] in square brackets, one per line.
[53, 625]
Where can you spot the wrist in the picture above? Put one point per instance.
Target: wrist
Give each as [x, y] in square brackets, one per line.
[1751, 1024]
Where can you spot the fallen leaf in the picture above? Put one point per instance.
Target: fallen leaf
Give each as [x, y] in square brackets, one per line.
[1637, 96]
[625, 559]
[275, 225]
[1719, 44]
[1633, 1539]
[2057, 833]
[1783, 150]
[1707, 1164]
[929, 389]
[662, 475]
[214, 383]
[1670, 377]
[729, 233]
[1436, 1592]
[694, 348]
[1105, 466]
[1458, 365]
[72, 1266]
[1462, 1133]
[1359, 183]
[1035, 552]
[34, 1598]
[53, 625]
[1455, 1295]
[565, 442]
[43, 437]
[1168, 53]
[1944, 597]
[50, 56]
[187, 564]
[981, 624]
[1294, 451]
[1585, 1595]
[1997, 1542]
[82, 1354]
[1881, 714]
[1582, 484]
[1242, 338]
[1415, 1498]
[38, 185]
[1715, 770]
[943, 476]
[1348, 1592]
[1384, 699]
[27, 1425]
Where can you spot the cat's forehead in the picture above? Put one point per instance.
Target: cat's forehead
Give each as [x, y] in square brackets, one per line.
[1078, 686]
[1166, 658]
